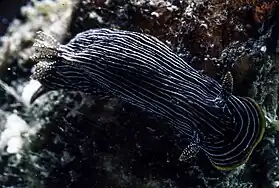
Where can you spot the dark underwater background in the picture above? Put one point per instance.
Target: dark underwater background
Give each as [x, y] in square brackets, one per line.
[71, 140]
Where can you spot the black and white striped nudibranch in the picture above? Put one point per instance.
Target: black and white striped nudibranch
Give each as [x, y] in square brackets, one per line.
[142, 71]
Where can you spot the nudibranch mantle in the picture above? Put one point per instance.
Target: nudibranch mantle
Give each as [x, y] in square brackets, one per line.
[143, 71]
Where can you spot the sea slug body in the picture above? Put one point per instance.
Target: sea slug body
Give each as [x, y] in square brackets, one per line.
[143, 71]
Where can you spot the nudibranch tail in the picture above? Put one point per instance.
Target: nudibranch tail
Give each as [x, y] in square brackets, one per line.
[46, 47]
[236, 147]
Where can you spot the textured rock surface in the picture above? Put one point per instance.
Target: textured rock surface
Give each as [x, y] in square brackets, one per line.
[72, 140]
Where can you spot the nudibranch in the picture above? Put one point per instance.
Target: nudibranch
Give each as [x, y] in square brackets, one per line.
[141, 70]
